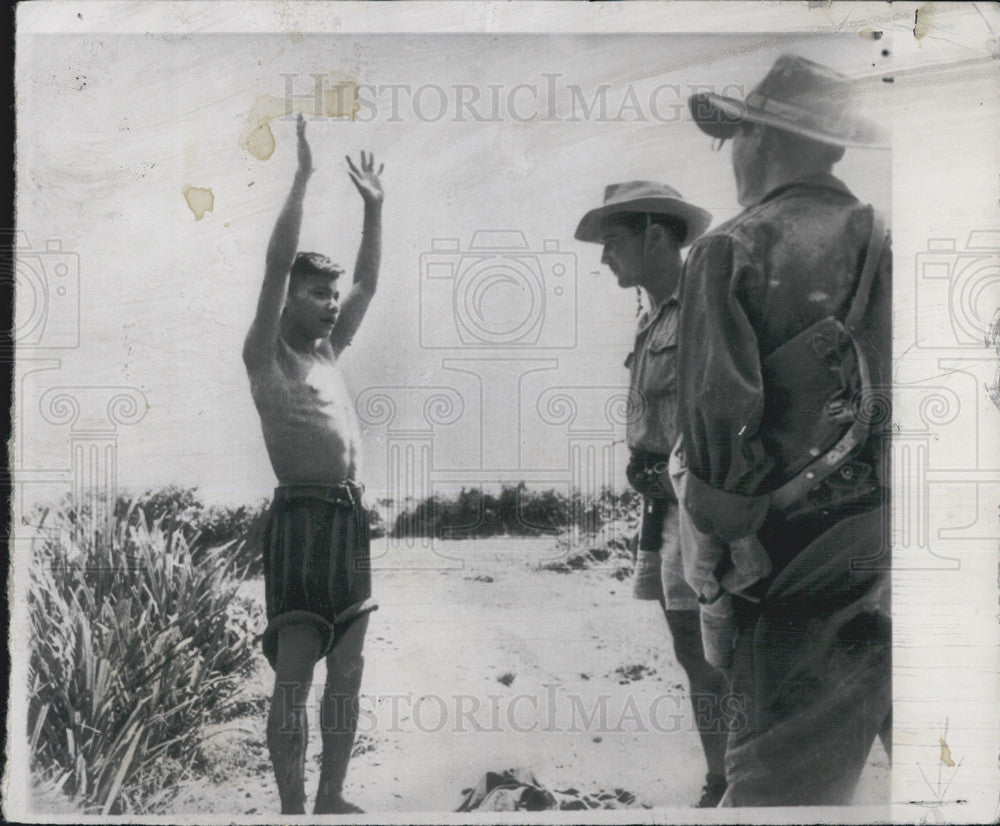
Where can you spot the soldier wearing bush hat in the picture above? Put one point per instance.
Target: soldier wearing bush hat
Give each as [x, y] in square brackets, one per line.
[642, 226]
[784, 338]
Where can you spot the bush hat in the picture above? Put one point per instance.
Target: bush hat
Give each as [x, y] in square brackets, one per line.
[798, 96]
[644, 197]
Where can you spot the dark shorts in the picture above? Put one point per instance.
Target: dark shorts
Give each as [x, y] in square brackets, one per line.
[317, 562]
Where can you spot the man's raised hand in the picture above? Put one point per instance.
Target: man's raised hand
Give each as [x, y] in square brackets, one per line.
[366, 179]
[305, 153]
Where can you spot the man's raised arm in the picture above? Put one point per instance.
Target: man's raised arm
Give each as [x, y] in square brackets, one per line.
[355, 304]
[280, 254]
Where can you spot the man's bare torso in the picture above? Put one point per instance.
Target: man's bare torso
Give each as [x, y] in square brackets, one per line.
[310, 427]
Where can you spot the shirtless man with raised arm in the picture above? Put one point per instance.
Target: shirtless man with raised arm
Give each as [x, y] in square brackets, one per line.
[316, 554]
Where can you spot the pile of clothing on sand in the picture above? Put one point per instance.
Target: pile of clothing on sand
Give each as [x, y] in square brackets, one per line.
[516, 790]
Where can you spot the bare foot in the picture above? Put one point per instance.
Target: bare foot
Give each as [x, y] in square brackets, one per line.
[337, 806]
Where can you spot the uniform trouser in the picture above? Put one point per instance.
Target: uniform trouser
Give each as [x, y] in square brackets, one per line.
[812, 662]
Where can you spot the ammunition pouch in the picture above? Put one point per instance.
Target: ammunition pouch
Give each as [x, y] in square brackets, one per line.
[817, 386]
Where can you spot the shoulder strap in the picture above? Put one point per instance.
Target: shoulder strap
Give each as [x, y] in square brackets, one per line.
[809, 478]
[873, 257]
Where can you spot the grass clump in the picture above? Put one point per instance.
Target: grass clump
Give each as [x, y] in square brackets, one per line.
[136, 641]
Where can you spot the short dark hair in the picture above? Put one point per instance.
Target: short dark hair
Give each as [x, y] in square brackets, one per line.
[636, 223]
[313, 263]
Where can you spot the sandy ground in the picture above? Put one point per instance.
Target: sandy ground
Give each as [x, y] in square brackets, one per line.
[514, 665]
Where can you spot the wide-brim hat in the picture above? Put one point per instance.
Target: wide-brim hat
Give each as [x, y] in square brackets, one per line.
[644, 197]
[797, 96]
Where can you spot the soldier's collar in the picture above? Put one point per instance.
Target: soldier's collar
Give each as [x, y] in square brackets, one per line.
[654, 312]
[825, 180]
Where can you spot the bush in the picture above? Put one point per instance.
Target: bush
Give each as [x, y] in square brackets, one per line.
[203, 528]
[134, 643]
[517, 511]
[163, 505]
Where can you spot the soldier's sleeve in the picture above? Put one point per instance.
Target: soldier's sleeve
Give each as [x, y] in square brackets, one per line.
[721, 392]
[876, 342]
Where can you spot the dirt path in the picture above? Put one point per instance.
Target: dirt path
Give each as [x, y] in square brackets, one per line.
[516, 666]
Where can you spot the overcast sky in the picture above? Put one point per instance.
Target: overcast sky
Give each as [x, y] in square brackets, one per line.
[478, 133]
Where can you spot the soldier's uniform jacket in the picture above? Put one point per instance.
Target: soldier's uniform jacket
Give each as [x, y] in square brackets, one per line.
[750, 286]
